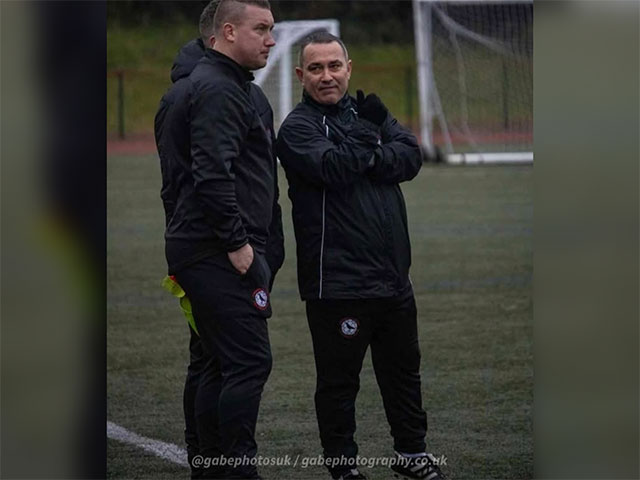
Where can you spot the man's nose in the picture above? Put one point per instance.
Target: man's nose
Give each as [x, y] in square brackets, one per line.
[270, 41]
[325, 77]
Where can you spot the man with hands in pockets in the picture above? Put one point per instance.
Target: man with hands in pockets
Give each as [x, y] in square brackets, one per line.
[219, 189]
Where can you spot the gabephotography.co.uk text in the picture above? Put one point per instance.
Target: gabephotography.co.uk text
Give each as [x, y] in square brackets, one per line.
[199, 461]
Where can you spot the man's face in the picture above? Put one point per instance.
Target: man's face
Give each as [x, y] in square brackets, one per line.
[325, 72]
[253, 38]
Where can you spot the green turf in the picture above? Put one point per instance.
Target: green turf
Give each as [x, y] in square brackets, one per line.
[472, 268]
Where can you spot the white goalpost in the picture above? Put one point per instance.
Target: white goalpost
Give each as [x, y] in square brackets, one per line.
[475, 79]
[277, 79]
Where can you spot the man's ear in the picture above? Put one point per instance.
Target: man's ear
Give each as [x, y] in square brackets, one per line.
[212, 42]
[229, 32]
[348, 69]
[299, 73]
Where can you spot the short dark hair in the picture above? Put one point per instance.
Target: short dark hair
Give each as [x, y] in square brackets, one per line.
[320, 36]
[206, 21]
[232, 10]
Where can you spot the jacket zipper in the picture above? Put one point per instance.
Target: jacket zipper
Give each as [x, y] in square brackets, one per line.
[324, 195]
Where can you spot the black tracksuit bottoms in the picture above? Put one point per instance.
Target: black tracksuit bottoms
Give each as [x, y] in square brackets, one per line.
[197, 362]
[341, 332]
[230, 311]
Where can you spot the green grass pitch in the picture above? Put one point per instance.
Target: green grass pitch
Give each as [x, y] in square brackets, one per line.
[471, 233]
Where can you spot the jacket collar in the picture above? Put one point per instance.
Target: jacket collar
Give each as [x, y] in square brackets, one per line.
[238, 73]
[343, 105]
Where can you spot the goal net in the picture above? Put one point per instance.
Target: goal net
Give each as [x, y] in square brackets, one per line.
[278, 79]
[475, 79]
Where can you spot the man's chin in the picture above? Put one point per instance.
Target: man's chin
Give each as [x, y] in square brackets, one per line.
[258, 64]
[329, 99]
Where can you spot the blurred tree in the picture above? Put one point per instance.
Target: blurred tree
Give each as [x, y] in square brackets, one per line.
[361, 22]
[132, 13]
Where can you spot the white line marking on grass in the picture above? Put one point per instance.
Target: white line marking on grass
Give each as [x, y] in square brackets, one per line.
[168, 451]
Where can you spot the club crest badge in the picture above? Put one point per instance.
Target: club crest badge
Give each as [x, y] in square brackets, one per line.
[260, 299]
[349, 327]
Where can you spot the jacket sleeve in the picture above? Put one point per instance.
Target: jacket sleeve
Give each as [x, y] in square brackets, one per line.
[219, 126]
[275, 243]
[166, 193]
[303, 147]
[399, 158]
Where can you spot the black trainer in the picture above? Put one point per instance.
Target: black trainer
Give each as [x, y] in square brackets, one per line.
[425, 467]
[353, 474]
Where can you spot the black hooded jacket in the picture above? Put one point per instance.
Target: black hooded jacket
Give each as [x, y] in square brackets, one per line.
[215, 137]
[349, 214]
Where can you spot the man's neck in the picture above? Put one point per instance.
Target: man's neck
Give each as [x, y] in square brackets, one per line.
[226, 51]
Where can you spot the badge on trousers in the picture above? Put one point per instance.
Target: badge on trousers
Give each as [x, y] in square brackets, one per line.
[349, 327]
[260, 299]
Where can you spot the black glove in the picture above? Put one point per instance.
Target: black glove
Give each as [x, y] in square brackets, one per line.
[371, 108]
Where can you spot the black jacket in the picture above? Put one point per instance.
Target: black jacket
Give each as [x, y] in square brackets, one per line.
[214, 133]
[349, 217]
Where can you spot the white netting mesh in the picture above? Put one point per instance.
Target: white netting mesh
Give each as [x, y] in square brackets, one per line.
[482, 63]
[271, 85]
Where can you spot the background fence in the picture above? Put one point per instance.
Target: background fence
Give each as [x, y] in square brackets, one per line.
[133, 94]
